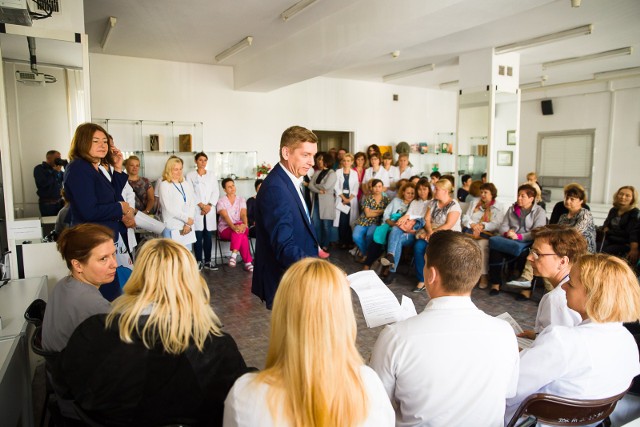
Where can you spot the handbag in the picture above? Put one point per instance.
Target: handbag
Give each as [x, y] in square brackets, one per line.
[380, 233]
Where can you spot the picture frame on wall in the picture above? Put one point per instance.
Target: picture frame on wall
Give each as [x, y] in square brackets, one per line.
[511, 137]
[505, 158]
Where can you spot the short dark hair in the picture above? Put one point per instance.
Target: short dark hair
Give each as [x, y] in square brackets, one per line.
[436, 174]
[78, 241]
[200, 154]
[484, 175]
[374, 181]
[257, 183]
[224, 181]
[328, 159]
[52, 152]
[458, 259]
[528, 190]
[575, 190]
[490, 188]
[465, 178]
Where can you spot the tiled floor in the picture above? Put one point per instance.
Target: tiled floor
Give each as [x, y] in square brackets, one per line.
[247, 319]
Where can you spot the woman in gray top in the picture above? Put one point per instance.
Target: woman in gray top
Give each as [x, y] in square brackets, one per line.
[90, 254]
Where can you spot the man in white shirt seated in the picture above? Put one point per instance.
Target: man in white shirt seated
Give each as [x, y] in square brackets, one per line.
[451, 365]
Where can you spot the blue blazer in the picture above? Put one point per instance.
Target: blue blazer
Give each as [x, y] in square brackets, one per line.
[93, 198]
[284, 234]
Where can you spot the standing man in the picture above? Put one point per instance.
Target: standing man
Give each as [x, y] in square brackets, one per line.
[451, 365]
[339, 156]
[284, 233]
[48, 176]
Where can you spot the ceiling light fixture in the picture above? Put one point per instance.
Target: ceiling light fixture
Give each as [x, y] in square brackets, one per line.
[549, 38]
[240, 46]
[624, 72]
[606, 54]
[111, 24]
[453, 84]
[409, 72]
[295, 9]
[533, 85]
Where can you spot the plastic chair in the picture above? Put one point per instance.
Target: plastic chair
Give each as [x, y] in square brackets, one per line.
[563, 411]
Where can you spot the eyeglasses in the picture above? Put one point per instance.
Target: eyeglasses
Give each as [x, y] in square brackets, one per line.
[536, 255]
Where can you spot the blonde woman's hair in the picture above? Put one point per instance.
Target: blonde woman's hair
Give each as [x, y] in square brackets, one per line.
[613, 294]
[313, 366]
[167, 286]
[348, 156]
[445, 184]
[166, 174]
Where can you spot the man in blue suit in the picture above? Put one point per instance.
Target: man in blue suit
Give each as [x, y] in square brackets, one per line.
[284, 233]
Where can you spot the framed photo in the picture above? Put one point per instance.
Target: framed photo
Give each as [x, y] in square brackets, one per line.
[511, 137]
[505, 158]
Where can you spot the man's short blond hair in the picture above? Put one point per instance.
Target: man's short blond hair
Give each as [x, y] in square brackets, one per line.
[294, 136]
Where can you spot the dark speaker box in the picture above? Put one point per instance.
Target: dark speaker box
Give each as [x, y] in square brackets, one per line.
[547, 107]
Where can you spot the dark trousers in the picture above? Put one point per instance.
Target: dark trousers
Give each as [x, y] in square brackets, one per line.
[203, 241]
[50, 208]
[344, 230]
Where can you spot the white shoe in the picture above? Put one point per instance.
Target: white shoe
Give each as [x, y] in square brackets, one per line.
[354, 251]
[520, 283]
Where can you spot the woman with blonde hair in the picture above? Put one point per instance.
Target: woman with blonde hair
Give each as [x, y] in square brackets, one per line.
[314, 374]
[599, 357]
[177, 200]
[159, 357]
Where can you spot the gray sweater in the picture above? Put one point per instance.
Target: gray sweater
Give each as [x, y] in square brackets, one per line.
[534, 219]
[70, 304]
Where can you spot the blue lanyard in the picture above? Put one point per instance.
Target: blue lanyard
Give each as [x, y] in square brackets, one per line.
[181, 190]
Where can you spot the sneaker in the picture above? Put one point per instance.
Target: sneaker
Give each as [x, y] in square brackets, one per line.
[387, 260]
[520, 283]
[200, 265]
[211, 266]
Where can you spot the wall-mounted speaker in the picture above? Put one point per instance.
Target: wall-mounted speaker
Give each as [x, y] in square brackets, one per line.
[547, 107]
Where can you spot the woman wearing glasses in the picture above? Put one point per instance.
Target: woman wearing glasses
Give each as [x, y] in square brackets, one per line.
[554, 250]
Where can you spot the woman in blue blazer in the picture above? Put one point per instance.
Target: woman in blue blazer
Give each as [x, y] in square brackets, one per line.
[92, 196]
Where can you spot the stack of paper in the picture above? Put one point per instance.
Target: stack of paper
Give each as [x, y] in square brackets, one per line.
[522, 342]
[379, 305]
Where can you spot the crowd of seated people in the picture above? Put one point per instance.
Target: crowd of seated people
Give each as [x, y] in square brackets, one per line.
[157, 354]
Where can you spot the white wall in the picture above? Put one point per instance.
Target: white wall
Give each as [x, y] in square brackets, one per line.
[612, 109]
[135, 88]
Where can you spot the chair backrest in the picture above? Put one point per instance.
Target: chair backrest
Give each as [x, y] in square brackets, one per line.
[564, 411]
[35, 312]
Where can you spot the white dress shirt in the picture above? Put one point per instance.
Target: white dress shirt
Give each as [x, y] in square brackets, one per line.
[297, 183]
[207, 191]
[553, 310]
[381, 174]
[451, 365]
[588, 361]
[246, 403]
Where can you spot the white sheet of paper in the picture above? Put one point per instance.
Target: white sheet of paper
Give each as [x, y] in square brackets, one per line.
[379, 304]
[407, 308]
[148, 223]
[342, 207]
[522, 342]
[184, 239]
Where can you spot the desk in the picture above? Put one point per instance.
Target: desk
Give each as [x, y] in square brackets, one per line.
[16, 400]
[15, 297]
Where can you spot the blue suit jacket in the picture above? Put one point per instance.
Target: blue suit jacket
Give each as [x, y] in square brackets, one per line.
[93, 198]
[284, 234]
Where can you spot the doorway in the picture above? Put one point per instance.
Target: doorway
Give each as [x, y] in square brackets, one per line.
[328, 139]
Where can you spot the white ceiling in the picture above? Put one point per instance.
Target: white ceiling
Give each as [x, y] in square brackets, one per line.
[353, 39]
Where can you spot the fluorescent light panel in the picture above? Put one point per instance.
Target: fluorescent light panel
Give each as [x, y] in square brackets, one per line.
[449, 85]
[549, 38]
[617, 73]
[111, 24]
[295, 9]
[240, 46]
[606, 54]
[409, 72]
